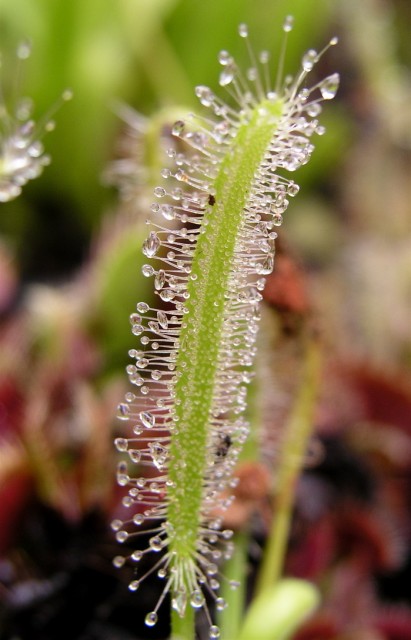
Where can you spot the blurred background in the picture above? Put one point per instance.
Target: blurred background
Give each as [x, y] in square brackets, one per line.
[70, 276]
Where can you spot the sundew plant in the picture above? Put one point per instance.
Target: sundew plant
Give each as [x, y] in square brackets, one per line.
[22, 156]
[211, 244]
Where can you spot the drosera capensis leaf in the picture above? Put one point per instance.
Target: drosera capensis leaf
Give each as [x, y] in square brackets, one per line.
[22, 155]
[212, 241]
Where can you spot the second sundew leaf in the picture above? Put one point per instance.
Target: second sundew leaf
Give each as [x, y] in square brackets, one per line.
[197, 349]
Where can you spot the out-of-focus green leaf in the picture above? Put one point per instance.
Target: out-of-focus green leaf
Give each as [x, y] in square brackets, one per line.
[277, 614]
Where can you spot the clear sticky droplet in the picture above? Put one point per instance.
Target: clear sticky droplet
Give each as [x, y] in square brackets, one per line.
[178, 128]
[205, 95]
[121, 536]
[329, 86]
[135, 455]
[142, 307]
[138, 519]
[156, 544]
[135, 318]
[167, 212]
[288, 24]
[197, 599]
[159, 280]
[151, 619]
[121, 444]
[264, 56]
[159, 192]
[234, 584]
[224, 58]
[227, 75]
[167, 295]
[243, 30]
[147, 419]
[309, 59]
[147, 270]
[162, 319]
[123, 411]
[151, 245]
[179, 602]
[134, 585]
[313, 109]
[158, 454]
[119, 561]
[116, 524]
[293, 189]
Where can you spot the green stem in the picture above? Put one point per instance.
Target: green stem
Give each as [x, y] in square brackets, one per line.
[298, 430]
[230, 618]
[183, 628]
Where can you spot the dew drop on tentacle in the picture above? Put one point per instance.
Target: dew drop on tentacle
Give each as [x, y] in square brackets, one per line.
[121, 444]
[134, 585]
[142, 307]
[121, 536]
[227, 75]
[151, 619]
[288, 24]
[197, 599]
[178, 128]
[243, 30]
[156, 543]
[123, 411]
[116, 524]
[329, 86]
[147, 419]
[224, 58]
[162, 319]
[179, 602]
[160, 279]
[119, 561]
[138, 519]
[22, 156]
[147, 270]
[151, 245]
[309, 59]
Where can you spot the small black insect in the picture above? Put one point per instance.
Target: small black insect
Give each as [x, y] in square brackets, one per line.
[223, 445]
[211, 200]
